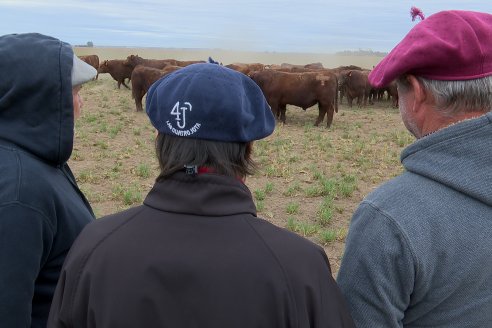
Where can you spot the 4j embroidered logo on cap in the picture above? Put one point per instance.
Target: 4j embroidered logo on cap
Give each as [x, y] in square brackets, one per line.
[179, 112]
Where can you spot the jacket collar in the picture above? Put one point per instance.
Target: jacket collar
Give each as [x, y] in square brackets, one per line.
[203, 194]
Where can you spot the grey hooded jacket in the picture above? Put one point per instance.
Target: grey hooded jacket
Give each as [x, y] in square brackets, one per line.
[419, 248]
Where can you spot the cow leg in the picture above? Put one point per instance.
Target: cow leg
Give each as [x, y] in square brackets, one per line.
[381, 95]
[278, 112]
[274, 109]
[368, 99]
[395, 101]
[321, 114]
[137, 95]
[329, 115]
[138, 104]
[282, 109]
[119, 84]
[350, 100]
[125, 84]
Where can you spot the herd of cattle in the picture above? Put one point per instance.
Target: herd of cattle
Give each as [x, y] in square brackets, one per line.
[282, 85]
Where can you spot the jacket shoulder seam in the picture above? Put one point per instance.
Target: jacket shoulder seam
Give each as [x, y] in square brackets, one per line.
[32, 208]
[398, 227]
[277, 260]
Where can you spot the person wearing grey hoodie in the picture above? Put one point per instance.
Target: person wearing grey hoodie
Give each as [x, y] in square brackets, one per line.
[419, 248]
[41, 208]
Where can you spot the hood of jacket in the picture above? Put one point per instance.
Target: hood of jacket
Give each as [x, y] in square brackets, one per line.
[458, 156]
[36, 104]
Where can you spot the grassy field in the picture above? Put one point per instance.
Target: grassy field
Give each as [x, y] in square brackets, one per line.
[310, 179]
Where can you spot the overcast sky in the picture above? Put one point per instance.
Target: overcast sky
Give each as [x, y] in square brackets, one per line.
[323, 26]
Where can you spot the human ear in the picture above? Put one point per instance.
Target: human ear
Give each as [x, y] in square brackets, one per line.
[420, 94]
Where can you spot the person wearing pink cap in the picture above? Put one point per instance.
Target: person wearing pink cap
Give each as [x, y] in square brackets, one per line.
[419, 248]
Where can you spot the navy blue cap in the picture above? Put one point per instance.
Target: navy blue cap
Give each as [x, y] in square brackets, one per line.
[209, 101]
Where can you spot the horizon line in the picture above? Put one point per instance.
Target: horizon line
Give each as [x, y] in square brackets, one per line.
[347, 52]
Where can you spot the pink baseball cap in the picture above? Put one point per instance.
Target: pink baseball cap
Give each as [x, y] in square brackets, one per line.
[449, 45]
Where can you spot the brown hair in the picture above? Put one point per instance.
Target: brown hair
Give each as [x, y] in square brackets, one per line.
[226, 158]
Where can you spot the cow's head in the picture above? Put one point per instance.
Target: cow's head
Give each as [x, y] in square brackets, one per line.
[103, 67]
[133, 60]
[343, 78]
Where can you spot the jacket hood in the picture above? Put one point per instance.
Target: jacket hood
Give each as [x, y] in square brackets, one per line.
[36, 104]
[458, 156]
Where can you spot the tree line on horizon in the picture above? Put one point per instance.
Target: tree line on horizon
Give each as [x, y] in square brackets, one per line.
[361, 52]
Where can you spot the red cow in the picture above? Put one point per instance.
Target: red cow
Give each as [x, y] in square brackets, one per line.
[299, 89]
[340, 71]
[117, 69]
[246, 68]
[356, 85]
[314, 66]
[183, 63]
[92, 60]
[134, 60]
[142, 79]
[392, 93]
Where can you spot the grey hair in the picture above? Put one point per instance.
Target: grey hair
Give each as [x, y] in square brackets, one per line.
[453, 97]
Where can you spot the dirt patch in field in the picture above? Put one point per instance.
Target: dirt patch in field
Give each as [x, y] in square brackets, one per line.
[310, 181]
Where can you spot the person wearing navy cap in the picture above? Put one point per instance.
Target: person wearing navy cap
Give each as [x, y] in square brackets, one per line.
[419, 248]
[41, 208]
[195, 254]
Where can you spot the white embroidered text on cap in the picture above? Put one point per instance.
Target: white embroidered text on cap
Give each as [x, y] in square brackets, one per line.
[180, 117]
